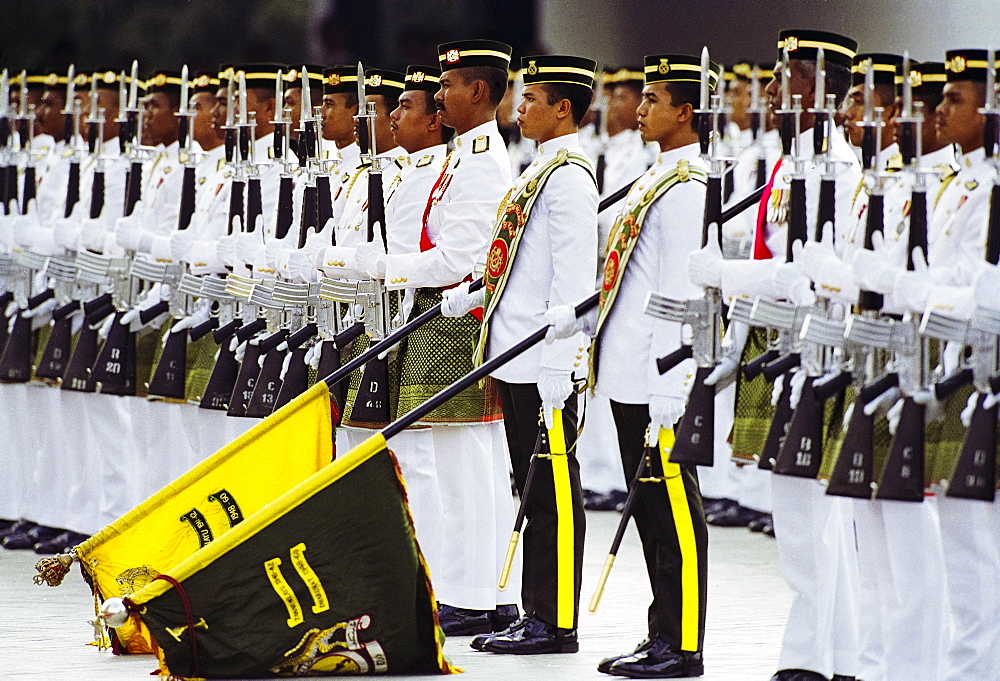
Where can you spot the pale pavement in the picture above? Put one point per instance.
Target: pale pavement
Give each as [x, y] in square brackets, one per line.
[44, 630]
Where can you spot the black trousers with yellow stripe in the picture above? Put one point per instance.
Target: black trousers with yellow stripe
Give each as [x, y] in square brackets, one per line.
[674, 535]
[552, 538]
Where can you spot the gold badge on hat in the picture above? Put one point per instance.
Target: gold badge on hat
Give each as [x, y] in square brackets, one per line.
[452, 56]
[375, 80]
[916, 78]
[109, 76]
[532, 68]
[664, 67]
[291, 75]
[81, 79]
[333, 79]
[792, 43]
[52, 79]
[957, 64]
[417, 77]
[159, 80]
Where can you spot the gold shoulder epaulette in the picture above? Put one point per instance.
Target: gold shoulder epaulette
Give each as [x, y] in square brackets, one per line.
[895, 163]
[424, 161]
[480, 144]
[683, 170]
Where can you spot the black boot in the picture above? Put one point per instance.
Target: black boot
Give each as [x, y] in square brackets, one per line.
[27, 540]
[660, 661]
[533, 638]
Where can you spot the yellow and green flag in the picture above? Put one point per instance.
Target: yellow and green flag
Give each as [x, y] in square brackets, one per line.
[327, 579]
[207, 503]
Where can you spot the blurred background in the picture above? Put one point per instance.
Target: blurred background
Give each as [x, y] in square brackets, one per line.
[393, 33]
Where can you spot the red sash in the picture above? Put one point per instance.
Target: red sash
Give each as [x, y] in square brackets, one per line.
[760, 249]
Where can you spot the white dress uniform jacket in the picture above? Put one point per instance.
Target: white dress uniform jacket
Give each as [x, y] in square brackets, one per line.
[629, 341]
[554, 265]
[462, 213]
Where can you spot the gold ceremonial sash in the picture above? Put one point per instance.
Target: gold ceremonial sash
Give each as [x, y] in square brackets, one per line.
[507, 237]
[624, 237]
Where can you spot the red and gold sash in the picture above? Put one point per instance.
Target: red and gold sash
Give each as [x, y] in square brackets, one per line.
[513, 216]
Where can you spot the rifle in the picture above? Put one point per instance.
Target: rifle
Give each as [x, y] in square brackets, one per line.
[72, 112]
[286, 183]
[800, 453]
[975, 472]
[26, 134]
[695, 443]
[903, 477]
[372, 402]
[170, 375]
[776, 315]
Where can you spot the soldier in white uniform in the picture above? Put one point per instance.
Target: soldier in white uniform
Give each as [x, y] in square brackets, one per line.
[456, 225]
[820, 567]
[661, 218]
[956, 235]
[416, 128]
[536, 260]
[626, 157]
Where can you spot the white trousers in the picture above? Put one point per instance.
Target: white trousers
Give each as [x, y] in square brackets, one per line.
[473, 470]
[16, 457]
[901, 561]
[818, 561]
[414, 450]
[969, 533]
[597, 448]
[754, 490]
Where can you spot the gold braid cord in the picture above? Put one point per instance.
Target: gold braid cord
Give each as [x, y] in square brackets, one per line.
[53, 569]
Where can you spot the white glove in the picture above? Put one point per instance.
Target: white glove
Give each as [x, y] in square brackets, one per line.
[105, 327]
[93, 231]
[41, 315]
[457, 302]
[152, 297]
[795, 384]
[987, 287]
[893, 415]
[128, 229]
[239, 349]
[554, 386]
[11, 309]
[66, 231]
[874, 269]
[883, 401]
[225, 247]
[835, 280]
[848, 414]
[732, 349]
[371, 258]
[790, 279]
[26, 225]
[313, 355]
[912, 289]
[970, 409]
[273, 251]
[814, 253]
[249, 243]
[664, 412]
[563, 322]
[933, 407]
[705, 264]
[779, 384]
[300, 266]
[192, 320]
[180, 244]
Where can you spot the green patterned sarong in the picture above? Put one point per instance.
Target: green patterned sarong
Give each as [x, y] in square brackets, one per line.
[435, 356]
